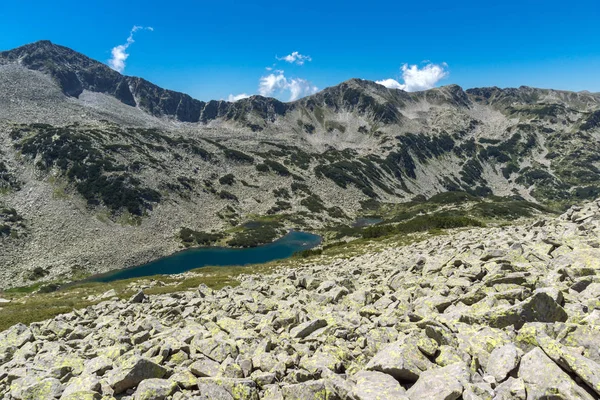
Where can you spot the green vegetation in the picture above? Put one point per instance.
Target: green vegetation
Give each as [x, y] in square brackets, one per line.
[228, 179]
[314, 203]
[190, 237]
[81, 158]
[238, 156]
[282, 193]
[7, 180]
[421, 223]
[277, 168]
[11, 223]
[224, 194]
[256, 233]
[300, 187]
[262, 167]
[279, 207]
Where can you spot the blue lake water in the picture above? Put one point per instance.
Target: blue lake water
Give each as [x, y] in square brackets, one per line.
[189, 259]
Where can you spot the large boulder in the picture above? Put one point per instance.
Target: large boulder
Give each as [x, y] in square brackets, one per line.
[540, 307]
[402, 359]
[373, 385]
[130, 372]
[446, 383]
[503, 360]
[304, 329]
[546, 380]
[155, 389]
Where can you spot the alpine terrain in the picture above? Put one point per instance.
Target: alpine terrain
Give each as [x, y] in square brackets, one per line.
[478, 276]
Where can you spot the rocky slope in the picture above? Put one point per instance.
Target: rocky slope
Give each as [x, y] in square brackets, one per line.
[492, 313]
[94, 163]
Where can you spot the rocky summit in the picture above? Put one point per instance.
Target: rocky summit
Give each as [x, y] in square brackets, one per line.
[506, 312]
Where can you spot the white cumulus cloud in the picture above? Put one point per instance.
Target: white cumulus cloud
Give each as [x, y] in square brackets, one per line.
[237, 97]
[277, 84]
[416, 78]
[295, 58]
[119, 53]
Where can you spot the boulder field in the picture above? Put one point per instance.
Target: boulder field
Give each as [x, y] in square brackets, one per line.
[509, 312]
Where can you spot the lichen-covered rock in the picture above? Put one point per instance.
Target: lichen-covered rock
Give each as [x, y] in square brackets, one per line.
[205, 367]
[306, 328]
[402, 359]
[538, 308]
[503, 360]
[48, 388]
[446, 383]
[544, 379]
[155, 389]
[131, 371]
[239, 389]
[373, 385]
[445, 325]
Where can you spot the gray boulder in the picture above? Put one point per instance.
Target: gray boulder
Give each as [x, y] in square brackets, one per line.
[306, 328]
[446, 383]
[546, 380]
[373, 385]
[503, 360]
[130, 372]
[155, 389]
[402, 359]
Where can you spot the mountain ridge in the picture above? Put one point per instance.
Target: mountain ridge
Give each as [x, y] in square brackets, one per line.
[75, 72]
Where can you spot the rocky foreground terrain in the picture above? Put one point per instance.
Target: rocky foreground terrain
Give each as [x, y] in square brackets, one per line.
[508, 312]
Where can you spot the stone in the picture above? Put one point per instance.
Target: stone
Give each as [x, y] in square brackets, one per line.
[155, 389]
[238, 388]
[402, 359]
[85, 395]
[48, 388]
[130, 372]
[586, 369]
[544, 379]
[139, 297]
[82, 383]
[306, 328]
[373, 385]
[217, 349]
[205, 367]
[538, 308]
[306, 391]
[109, 294]
[15, 336]
[446, 383]
[503, 360]
[511, 389]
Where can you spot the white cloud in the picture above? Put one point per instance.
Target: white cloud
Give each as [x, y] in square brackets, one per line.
[277, 84]
[237, 97]
[119, 53]
[295, 58]
[416, 78]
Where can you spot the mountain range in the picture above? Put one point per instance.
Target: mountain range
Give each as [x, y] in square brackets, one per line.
[101, 171]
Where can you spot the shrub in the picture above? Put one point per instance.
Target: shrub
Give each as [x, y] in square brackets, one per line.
[262, 167]
[282, 192]
[228, 179]
[189, 237]
[313, 203]
[255, 234]
[238, 156]
[223, 194]
[421, 223]
[277, 168]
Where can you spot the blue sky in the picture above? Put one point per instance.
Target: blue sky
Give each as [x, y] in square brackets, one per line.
[213, 49]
